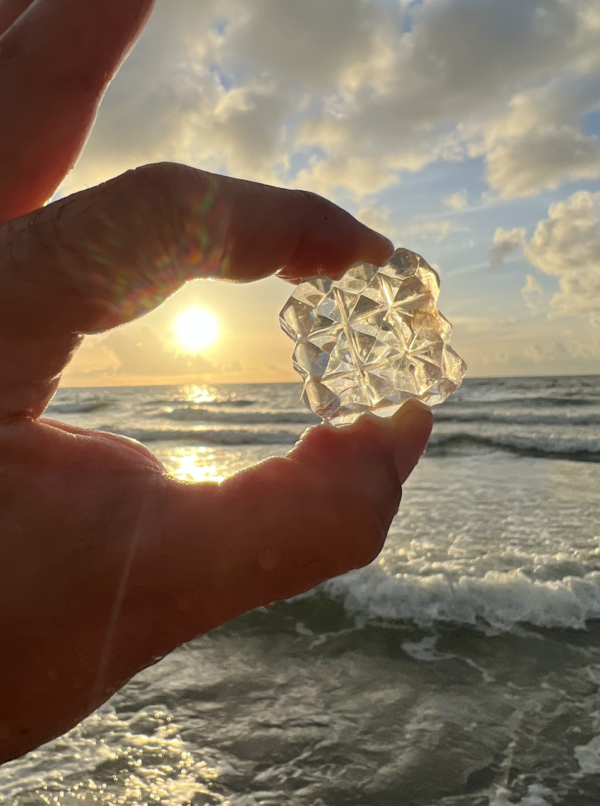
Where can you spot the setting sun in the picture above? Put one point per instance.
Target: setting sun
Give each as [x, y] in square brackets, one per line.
[196, 329]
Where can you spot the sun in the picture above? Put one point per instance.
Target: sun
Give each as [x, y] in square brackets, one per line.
[196, 329]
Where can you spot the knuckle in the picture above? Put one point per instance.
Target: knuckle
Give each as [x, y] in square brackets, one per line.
[368, 427]
[317, 439]
[158, 175]
[316, 204]
[168, 182]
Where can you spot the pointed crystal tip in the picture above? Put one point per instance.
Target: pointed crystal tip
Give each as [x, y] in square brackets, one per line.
[372, 340]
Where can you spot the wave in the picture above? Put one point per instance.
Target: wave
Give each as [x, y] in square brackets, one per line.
[207, 436]
[83, 407]
[524, 401]
[202, 415]
[239, 403]
[500, 600]
[573, 450]
[506, 418]
[440, 445]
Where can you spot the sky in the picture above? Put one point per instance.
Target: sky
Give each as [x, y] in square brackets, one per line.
[465, 130]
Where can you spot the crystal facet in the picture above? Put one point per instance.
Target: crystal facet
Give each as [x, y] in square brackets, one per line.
[372, 340]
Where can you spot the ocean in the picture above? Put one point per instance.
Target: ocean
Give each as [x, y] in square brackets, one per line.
[462, 668]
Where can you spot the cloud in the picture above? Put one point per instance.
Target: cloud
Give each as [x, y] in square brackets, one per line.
[456, 201]
[347, 95]
[506, 242]
[312, 42]
[235, 368]
[542, 158]
[529, 346]
[436, 98]
[360, 175]
[174, 100]
[93, 358]
[144, 353]
[532, 293]
[567, 246]
[439, 228]
[378, 218]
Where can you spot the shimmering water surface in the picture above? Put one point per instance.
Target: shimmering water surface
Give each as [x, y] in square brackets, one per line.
[460, 669]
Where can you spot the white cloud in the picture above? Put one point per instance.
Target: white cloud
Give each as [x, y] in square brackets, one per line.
[341, 95]
[538, 141]
[378, 218]
[456, 201]
[142, 352]
[439, 228]
[543, 160]
[567, 246]
[506, 242]
[173, 100]
[532, 293]
[311, 42]
[440, 94]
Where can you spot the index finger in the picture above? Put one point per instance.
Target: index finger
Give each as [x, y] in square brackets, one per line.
[106, 255]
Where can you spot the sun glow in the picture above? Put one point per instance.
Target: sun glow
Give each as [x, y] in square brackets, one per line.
[196, 329]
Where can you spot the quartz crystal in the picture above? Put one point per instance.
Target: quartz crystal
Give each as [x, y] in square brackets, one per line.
[372, 340]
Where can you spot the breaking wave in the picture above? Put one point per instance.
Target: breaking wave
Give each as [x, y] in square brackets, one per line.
[501, 600]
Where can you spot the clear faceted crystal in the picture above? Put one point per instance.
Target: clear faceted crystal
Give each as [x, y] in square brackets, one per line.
[372, 340]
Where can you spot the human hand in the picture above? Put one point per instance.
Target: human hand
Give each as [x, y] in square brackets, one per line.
[106, 563]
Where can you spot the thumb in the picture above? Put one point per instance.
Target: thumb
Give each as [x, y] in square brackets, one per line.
[283, 526]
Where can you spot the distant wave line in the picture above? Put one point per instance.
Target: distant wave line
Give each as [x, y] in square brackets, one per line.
[84, 407]
[523, 402]
[506, 418]
[165, 401]
[200, 414]
[449, 444]
[207, 436]
[440, 445]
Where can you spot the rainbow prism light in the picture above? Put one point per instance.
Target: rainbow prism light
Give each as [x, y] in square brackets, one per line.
[372, 340]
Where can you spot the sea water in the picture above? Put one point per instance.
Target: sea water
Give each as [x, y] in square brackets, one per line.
[462, 668]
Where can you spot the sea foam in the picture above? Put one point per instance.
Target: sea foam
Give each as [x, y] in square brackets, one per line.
[501, 600]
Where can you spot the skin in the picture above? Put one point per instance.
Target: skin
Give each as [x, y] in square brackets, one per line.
[106, 563]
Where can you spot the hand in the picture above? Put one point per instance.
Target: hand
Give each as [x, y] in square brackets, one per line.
[106, 563]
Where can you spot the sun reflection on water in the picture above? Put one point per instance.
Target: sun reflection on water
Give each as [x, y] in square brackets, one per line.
[194, 464]
[202, 394]
[140, 762]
